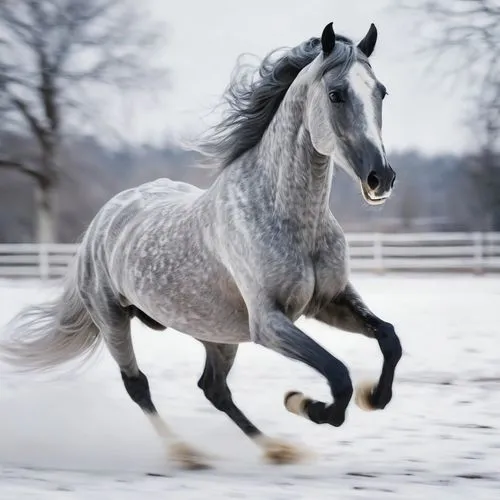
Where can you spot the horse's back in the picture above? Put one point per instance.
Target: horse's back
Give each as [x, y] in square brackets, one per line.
[160, 190]
[132, 215]
[149, 197]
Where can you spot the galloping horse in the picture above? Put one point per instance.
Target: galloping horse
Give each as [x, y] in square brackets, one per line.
[242, 260]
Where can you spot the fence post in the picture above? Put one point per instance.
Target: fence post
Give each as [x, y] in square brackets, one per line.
[478, 253]
[378, 254]
[43, 261]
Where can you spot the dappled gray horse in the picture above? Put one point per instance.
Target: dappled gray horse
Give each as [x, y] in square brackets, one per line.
[244, 259]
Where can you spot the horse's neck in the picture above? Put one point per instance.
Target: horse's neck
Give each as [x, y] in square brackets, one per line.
[300, 177]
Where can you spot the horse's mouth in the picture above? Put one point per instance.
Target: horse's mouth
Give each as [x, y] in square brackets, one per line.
[372, 200]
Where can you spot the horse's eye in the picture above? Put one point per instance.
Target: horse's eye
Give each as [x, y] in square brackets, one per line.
[336, 96]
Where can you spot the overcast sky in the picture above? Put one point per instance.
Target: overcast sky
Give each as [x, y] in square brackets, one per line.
[206, 37]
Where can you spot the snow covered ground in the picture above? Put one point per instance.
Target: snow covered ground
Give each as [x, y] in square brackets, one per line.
[78, 436]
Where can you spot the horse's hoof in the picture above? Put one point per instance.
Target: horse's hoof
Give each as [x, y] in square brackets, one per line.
[364, 395]
[279, 452]
[186, 457]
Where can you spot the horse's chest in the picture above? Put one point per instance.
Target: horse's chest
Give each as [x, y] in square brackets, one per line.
[314, 277]
[298, 290]
[330, 272]
[330, 275]
[318, 281]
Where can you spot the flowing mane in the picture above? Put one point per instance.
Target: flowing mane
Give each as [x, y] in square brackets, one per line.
[254, 95]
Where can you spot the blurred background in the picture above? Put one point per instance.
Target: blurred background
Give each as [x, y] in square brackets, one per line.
[99, 95]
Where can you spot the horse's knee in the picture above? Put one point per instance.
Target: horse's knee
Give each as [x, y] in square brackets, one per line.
[137, 387]
[344, 391]
[389, 343]
[340, 382]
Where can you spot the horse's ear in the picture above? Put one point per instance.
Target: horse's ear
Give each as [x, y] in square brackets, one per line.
[328, 39]
[368, 43]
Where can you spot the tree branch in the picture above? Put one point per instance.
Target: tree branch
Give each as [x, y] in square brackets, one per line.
[7, 163]
[33, 122]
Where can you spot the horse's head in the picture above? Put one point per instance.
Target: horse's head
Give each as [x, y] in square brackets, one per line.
[344, 112]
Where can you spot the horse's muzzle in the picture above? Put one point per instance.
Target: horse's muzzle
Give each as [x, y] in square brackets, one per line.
[379, 182]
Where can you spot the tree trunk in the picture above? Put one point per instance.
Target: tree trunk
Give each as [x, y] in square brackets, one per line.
[45, 206]
[46, 196]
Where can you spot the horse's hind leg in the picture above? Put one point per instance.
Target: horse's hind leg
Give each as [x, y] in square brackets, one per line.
[114, 324]
[213, 382]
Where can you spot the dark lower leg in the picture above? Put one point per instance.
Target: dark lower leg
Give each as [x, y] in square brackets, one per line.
[391, 350]
[348, 312]
[213, 382]
[137, 387]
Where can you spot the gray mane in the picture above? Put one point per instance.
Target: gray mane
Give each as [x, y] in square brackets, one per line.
[254, 95]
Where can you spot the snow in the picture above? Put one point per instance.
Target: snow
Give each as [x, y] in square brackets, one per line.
[75, 435]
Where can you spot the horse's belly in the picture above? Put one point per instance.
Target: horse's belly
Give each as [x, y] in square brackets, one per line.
[210, 322]
[208, 308]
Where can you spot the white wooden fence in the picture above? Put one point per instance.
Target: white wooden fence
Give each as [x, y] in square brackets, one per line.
[373, 252]
[441, 252]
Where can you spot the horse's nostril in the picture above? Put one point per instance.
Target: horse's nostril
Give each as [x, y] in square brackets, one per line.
[393, 179]
[373, 180]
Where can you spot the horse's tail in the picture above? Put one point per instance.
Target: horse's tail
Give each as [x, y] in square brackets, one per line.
[43, 336]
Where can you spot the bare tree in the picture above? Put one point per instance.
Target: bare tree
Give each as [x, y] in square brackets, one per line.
[54, 55]
[468, 32]
[483, 167]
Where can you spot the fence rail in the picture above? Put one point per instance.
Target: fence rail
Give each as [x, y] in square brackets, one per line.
[373, 252]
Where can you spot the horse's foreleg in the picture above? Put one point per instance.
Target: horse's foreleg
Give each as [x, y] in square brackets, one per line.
[213, 382]
[276, 331]
[348, 312]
